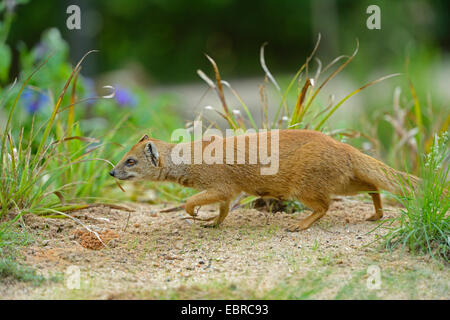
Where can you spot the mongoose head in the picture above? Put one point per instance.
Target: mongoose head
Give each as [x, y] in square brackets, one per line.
[141, 162]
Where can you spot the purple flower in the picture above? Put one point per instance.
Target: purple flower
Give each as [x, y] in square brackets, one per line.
[33, 100]
[124, 97]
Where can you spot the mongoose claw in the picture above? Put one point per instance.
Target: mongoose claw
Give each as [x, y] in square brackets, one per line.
[293, 228]
[297, 227]
[192, 210]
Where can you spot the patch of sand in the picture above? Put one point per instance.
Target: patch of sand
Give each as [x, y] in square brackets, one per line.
[148, 250]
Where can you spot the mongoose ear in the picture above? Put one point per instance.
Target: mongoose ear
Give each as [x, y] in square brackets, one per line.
[152, 153]
[144, 138]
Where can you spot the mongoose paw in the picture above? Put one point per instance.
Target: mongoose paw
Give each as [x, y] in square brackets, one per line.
[195, 218]
[297, 227]
[374, 217]
[211, 225]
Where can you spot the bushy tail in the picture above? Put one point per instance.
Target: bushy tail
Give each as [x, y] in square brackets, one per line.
[375, 172]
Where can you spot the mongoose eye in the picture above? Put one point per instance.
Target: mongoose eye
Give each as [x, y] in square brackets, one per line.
[130, 162]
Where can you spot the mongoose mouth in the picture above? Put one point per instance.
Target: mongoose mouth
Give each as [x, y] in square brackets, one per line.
[125, 178]
[128, 176]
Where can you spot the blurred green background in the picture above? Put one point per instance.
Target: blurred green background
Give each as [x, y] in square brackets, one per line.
[168, 38]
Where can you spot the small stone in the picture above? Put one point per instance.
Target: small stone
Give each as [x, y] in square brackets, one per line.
[167, 257]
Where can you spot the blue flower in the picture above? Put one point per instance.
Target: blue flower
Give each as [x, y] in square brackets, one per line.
[34, 101]
[90, 93]
[124, 97]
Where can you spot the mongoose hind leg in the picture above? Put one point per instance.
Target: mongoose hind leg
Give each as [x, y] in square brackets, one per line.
[378, 207]
[357, 186]
[319, 206]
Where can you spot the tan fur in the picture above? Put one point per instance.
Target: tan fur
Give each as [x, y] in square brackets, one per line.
[312, 168]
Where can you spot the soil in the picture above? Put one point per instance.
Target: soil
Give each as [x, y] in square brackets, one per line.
[149, 254]
[90, 240]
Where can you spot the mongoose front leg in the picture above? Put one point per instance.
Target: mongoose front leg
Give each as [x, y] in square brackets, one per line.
[202, 198]
[223, 212]
[378, 207]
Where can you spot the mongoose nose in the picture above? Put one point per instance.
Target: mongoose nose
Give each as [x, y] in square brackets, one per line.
[111, 173]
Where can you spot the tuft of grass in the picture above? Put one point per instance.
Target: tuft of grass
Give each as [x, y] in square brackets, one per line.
[305, 113]
[424, 224]
[10, 241]
[48, 171]
[9, 268]
[414, 125]
[51, 169]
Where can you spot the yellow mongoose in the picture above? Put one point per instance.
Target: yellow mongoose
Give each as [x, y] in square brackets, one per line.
[312, 167]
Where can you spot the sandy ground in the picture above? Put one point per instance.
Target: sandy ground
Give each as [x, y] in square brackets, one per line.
[160, 255]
